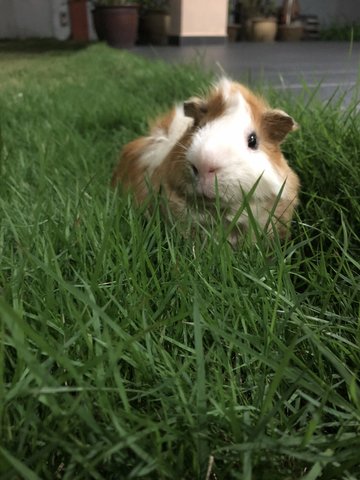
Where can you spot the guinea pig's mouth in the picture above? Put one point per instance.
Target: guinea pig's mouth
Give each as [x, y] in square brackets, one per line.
[208, 193]
[212, 201]
[215, 193]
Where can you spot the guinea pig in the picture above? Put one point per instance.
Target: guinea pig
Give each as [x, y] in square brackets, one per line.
[216, 150]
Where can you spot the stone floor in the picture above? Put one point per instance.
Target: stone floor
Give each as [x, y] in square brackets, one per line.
[330, 68]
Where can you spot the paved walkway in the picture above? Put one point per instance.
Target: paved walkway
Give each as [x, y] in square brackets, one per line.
[331, 67]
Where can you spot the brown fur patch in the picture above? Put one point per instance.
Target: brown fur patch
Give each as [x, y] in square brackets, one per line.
[257, 104]
[207, 109]
[195, 108]
[216, 106]
[129, 172]
[174, 170]
[276, 124]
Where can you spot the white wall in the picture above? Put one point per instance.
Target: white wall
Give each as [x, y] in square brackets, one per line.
[324, 9]
[350, 9]
[33, 18]
[195, 18]
[211, 13]
[7, 19]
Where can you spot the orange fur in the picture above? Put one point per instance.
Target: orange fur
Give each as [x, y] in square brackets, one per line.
[128, 172]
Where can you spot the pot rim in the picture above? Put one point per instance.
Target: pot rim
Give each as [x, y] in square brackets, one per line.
[264, 19]
[109, 7]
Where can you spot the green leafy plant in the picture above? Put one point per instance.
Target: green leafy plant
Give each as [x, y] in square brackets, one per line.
[261, 8]
[160, 5]
[338, 32]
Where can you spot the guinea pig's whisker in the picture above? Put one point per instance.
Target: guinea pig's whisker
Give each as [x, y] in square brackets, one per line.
[181, 145]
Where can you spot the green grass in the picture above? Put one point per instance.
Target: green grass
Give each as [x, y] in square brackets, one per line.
[130, 352]
[341, 32]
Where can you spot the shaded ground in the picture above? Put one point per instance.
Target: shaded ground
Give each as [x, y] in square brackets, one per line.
[35, 46]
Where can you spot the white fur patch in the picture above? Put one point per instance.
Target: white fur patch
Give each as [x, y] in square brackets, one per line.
[163, 142]
[222, 146]
[224, 87]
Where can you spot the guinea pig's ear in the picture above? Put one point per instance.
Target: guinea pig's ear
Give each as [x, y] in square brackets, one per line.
[277, 124]
[195, 108]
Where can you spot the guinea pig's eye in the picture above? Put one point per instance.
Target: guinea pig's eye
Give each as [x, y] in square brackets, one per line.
[252, 141]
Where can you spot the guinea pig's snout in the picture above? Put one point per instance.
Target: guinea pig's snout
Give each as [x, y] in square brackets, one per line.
[203, 170]
[205, 159]
[204, 177]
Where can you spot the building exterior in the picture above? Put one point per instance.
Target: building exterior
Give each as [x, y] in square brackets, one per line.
[35, 19]
[191, 20]
[332, 11]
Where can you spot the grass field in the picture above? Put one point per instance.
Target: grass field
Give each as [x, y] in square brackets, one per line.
[129, 352]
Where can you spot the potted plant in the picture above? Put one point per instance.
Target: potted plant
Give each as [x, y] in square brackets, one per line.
[116, 22]
[155, 21]
[291, 26]
[261, 22]
[235, 20]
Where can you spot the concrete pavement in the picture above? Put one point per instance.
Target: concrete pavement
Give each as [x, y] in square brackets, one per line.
[331, 67]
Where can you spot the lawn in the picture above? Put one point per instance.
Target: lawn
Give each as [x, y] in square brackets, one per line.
[128, 351]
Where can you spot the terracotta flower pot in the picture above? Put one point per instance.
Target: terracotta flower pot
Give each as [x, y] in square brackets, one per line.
[118, 25]
[264, 29]
[78, 19]
[291, 33]
[233, 32]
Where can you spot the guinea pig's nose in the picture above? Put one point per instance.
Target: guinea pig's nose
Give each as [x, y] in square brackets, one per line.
[203, 169]
[206, 168]
[207, 159]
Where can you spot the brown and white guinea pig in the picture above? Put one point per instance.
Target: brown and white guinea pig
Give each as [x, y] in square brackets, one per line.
[216, 149]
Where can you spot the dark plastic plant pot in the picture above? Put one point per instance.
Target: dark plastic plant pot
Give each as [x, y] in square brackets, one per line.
[291, 33]
[156, 25]
[118, 25]
[78, 19]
